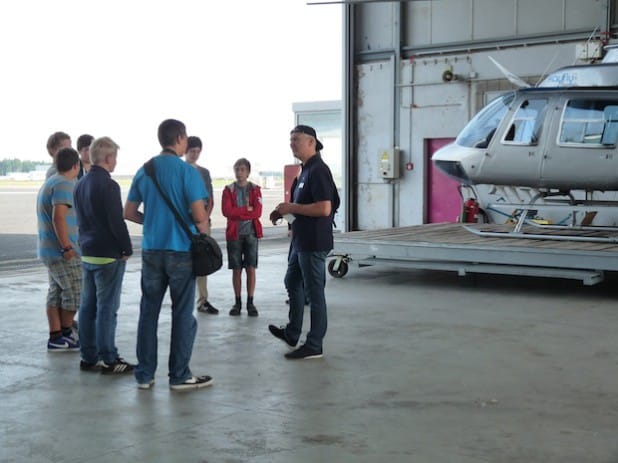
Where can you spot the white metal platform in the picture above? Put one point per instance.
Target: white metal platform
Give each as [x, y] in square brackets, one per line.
[452, 247]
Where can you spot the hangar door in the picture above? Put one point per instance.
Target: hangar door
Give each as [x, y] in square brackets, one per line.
[443, 198]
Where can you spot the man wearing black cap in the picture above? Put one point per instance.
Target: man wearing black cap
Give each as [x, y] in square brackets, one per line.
[312, 239]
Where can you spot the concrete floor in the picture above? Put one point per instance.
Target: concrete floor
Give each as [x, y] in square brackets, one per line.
[419, 367]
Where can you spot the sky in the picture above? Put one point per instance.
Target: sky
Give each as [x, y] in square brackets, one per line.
[230, 70]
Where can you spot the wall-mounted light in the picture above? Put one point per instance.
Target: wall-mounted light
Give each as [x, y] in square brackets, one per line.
[448, 75]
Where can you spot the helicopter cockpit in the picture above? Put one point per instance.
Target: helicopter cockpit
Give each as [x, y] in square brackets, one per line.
[550, 138]
[480, 130]
[559, 139]
[472, 140]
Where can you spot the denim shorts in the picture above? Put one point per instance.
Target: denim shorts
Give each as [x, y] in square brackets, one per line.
[65, 283]
[243, 252]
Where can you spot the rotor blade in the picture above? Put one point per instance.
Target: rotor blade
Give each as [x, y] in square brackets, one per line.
[515, 80]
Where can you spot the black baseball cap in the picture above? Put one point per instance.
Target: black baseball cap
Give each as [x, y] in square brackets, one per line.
[309, 131]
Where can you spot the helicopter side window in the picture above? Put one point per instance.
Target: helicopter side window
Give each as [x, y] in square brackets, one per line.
[610, 134]
[525, 128]
[589, 122]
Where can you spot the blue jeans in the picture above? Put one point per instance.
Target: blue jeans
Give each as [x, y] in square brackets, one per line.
[307, 273]
[160, 270]
[100, 300]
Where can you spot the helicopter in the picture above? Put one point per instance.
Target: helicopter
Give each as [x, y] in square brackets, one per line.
[557, 141]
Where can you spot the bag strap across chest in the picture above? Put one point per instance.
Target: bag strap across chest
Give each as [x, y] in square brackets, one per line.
[149, 170]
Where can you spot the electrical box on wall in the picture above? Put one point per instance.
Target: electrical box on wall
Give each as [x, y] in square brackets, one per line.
[591, 49]
[389, 163]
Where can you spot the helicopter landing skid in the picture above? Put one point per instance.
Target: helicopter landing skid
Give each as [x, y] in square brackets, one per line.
[573, 227]
[569, 233]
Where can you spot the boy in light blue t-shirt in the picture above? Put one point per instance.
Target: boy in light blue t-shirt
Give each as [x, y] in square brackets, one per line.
[58, 248]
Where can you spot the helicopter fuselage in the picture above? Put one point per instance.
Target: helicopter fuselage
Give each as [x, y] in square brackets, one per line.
[547, 138]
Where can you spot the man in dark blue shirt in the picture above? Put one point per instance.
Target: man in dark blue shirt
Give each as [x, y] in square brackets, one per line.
[106, 245]
[311, 215]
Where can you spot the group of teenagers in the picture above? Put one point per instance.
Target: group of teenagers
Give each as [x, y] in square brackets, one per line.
[84, 243]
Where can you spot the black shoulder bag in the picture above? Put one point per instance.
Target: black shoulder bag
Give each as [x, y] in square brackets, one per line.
[205, 251]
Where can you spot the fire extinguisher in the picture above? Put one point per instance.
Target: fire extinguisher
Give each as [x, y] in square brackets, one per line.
[470, 210]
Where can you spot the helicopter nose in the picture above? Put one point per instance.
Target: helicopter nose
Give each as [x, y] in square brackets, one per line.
[453, 169]
[449, 159]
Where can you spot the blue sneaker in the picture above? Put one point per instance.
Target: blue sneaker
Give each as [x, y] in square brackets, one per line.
[73, 337]
[63, 344]
[74, 334]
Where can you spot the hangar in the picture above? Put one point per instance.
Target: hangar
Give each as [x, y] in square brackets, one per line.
[416, 73]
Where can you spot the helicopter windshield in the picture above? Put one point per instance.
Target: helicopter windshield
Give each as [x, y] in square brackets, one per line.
[478, 132]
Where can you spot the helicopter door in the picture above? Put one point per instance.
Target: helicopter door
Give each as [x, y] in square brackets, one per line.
[515, 153]
[582, 154]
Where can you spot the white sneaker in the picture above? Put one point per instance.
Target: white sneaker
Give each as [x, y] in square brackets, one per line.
[147, 385]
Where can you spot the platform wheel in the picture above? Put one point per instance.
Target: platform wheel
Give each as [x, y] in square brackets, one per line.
[341, 271]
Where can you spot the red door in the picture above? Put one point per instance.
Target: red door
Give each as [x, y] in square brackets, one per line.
[290, 172]
[443, 198]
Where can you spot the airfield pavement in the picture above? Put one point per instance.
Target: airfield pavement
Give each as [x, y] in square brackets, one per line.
[419, 366]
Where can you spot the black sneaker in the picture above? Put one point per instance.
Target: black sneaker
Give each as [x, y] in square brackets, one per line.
[207, 307]
[87, 366]
[195, 382]
[235, 311]
[251, 310]
[119, 367]
[279, 332]
[304, 353]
